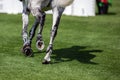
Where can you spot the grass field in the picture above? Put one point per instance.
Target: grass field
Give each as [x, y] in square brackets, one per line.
[86, 48]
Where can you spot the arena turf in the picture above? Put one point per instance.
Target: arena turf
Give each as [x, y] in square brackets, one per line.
[86, 48]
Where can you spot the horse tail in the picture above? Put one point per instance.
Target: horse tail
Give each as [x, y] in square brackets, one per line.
[63, 3]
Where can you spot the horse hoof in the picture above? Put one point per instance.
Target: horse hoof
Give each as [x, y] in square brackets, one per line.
[27, 51]
[46, 62]
[40, 45]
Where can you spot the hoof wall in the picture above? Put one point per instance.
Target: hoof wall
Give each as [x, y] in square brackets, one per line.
[27, 51]
[46, 62]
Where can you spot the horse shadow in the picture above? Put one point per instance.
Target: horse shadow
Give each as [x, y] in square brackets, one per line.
[74, 53]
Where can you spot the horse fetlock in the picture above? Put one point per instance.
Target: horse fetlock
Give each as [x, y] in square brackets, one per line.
[47, 57]
[40, 43]
[24, 36]
[39, 37]
[49, 49]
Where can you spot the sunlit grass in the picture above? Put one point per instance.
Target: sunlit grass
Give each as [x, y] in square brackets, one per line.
[86, 48]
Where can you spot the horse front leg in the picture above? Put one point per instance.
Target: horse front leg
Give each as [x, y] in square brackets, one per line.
[57, 12]
[39, 42]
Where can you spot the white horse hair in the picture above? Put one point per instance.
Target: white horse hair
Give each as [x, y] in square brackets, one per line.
[38, 8]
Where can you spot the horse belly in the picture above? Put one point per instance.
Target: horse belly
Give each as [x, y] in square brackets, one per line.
[36, 5]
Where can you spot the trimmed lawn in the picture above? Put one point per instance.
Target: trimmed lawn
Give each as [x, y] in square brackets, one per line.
[86, 48]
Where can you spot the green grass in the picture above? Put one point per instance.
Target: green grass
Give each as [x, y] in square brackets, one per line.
[86, 48]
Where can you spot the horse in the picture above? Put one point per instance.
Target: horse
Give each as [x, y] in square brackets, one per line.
[37, 8]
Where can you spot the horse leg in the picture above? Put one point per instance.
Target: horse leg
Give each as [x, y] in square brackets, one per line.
[57, 12]
[33, 29]
[26, 46]
[39, 42]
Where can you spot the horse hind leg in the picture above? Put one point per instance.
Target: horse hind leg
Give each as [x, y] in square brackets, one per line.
[27, 45]
[27, 50]
[39, 41]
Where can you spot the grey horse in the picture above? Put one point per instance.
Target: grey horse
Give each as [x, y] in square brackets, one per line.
[38, 8]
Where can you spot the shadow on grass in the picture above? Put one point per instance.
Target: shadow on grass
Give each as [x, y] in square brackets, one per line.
[74, 53]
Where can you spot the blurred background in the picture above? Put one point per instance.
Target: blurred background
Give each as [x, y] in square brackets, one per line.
[78, 8]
